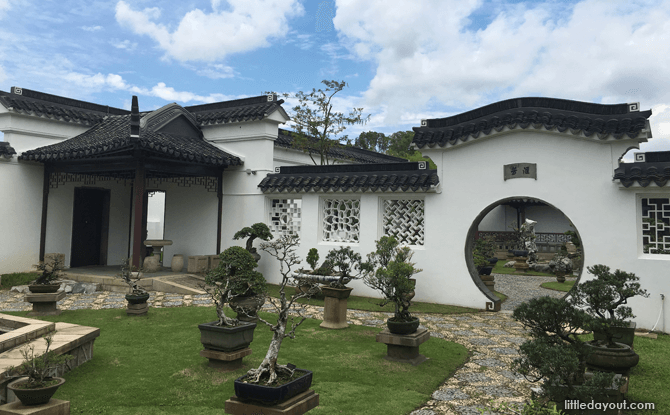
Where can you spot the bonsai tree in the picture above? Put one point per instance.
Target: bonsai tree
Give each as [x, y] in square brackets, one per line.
[482, 250]
[283, 249]
[257, 230]
[133, 281]
[555, 355]
[313, 258]
[345, 262]
[50, 272]
[234, 276]
[603, 298]
[388, 270]
[561, 264]
[38, 369]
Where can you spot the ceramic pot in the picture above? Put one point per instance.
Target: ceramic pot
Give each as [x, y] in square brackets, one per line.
[177, 263]
[402, 327]
[268, 395]
[37, 396]
[618, 360]
[44, 288]
[224, 338]
[137, 298]
[251, 302]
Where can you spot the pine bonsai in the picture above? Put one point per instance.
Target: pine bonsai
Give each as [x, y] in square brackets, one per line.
[50, 272]
[345, 262]
[38, 369]
[257, 230]
[133, 281]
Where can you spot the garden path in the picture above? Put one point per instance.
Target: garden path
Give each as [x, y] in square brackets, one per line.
[493, 339]
[521, 288]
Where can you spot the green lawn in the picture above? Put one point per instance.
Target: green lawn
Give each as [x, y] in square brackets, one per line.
[559, 286]
[151, 365]
[18, 278]
[648, 380]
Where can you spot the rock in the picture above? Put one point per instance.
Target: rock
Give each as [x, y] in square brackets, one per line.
[84, 287]
[20, 289]
[509, 264]
[541, 268]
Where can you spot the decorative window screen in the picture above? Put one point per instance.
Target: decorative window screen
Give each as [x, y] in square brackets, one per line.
[341, 220]
[285, 216]
[404, 220]
[656, 225]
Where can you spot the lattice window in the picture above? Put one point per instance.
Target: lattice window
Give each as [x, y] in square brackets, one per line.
[404, 220]
[285, 216]
[341, 220]
[656, 225]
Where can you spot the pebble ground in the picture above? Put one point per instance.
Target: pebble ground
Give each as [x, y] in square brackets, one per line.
[493, 339]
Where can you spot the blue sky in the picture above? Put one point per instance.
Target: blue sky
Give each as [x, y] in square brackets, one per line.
[403, 60]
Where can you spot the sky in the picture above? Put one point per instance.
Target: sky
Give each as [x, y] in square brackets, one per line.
[403, 60]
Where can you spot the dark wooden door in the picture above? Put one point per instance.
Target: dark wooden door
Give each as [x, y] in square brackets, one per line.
[90, 227]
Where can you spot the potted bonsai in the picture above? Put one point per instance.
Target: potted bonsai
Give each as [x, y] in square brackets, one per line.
[138, 296]
[47, 281]
[556, 356]
[36, 385]
[248, 295]
[305, 277]
[389, 271]
[603, 298]
[561, 264]
[345, 265]
[233, 276]
[257, 230]
[271, 382]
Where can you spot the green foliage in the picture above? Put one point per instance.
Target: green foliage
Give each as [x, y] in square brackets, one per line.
[50, 271]
[556, 355]
[317, 126]
[373, 141]
[313, 258]
[236, 272]
[38, 369]
[604, 296]
[257, 230]
[345, 262]
[388, 270]
[127, 276]
[483, 249]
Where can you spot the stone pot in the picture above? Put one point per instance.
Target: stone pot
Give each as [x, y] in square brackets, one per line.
[177, 263]
[618, 360]
[625, 335]
[402, 327]
[137, 298]
[560, 276]
[225, 338]
[44, 288]
[253, 302]
[493, 261]
[268, 395]
[609, 395]
[485, 270]
[521, 253]
[38, 396]
[335, 307]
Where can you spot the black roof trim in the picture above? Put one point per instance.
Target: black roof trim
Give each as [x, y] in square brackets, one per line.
[358, 178]
[43, 96]
[551, 113]
[6, 150]
[657, 170]
[262, 99]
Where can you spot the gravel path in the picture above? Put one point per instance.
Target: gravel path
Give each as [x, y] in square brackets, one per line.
[520, 288]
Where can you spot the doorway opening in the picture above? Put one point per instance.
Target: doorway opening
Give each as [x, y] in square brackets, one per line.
[90, 227]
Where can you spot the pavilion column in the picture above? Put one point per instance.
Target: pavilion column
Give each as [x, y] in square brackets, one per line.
[219, 220]
[45, 205]
[138, 208]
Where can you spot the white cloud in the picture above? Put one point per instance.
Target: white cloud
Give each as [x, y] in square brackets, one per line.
[426, 51]
[201, 36]
[217, 71]
[3, 76]
[124, 44]
[91, 28]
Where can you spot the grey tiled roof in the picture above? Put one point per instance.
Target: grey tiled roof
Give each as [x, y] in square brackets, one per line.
[6, 150]
[247, 109]
[113, 136]
[655, 169]
[53, 107]
[396, 177]
[346, 154]
[617, 121]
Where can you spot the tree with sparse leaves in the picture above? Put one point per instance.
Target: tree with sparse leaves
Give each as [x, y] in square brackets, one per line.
[317, 126]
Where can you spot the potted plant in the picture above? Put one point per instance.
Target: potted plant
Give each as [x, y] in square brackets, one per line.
[304, 276]
[561, 264]
[47, 281]
[257, 230]
[138, 296]
[344, 264]
[603, 298]
[248, 296]
[271, 382]
[234, 276]
[483, 255]
[556, 356]
[36, 385]
[389, 271]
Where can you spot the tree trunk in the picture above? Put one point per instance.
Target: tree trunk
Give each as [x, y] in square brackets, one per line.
[269, 364]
